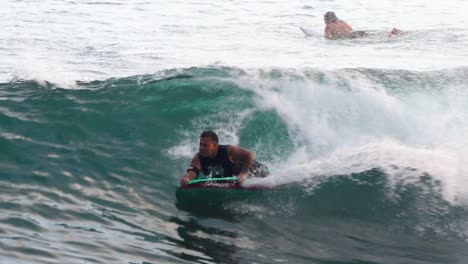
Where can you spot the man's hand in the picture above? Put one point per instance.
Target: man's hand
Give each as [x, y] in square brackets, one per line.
[242, 176]
[184, 182]
[191, 174]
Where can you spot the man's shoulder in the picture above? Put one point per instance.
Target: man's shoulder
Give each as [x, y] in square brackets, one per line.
[196, 156]
[226, 147]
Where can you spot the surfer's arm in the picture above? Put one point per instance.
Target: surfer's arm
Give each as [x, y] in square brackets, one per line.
[346, 25]
[328, 32]
[243, 157]
[192, 171]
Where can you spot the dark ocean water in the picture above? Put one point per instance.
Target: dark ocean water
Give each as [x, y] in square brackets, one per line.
[373, 160]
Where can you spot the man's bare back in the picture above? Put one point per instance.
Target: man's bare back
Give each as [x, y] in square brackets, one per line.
[338, 29]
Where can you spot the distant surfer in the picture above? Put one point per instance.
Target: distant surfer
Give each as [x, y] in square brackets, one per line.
[396, 32]
[215, 160]
[338, 29]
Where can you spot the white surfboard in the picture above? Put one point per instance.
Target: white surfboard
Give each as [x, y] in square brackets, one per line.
[310, 32]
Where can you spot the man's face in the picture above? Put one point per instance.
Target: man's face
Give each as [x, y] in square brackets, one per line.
[208, 147]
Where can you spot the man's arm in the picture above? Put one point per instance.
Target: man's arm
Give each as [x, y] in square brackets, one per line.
[328, 32]
[348, 26]
[243, 157]
[192, 171]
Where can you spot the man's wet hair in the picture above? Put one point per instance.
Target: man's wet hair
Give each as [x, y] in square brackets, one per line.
[210, 134]
[330, 16]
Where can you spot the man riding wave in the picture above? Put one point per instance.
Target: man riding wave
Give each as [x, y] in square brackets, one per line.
[215, 160]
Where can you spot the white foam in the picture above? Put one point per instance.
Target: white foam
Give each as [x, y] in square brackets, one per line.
[347, 124]
[45, 70]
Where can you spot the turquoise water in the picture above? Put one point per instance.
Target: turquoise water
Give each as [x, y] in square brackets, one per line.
[102, 104]
[89, 175]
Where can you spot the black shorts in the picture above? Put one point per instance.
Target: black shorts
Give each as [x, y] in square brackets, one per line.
[258, 170]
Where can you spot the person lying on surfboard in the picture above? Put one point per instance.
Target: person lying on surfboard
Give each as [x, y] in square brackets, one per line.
[215, 160]
[337, 29]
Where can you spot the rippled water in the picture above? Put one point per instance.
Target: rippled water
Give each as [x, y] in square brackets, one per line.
[64, 41]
